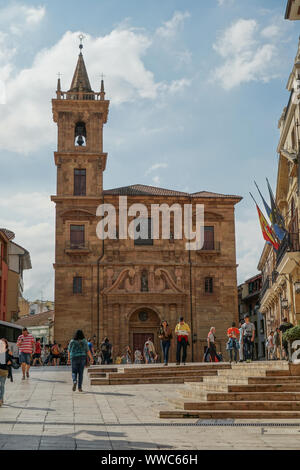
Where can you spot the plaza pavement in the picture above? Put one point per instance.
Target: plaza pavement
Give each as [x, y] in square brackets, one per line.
[43, 413]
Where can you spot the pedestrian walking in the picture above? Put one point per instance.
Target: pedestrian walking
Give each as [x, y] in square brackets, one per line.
[26, 345]
[37, 353]
[126, 358]
[106, 351]
[270, 346]
[182, 332]
[277, 345]
[248, 332]
[5, 366]
[149, 352]
[241, 349]
[211, 346]
[233, 334]
[165, 336]
[55, 354]
[78, 350]
[286, 325]
[138, 357]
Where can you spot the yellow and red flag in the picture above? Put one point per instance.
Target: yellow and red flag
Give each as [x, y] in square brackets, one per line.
[267, 231]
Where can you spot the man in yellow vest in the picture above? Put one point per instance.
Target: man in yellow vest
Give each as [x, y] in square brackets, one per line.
[182, 332]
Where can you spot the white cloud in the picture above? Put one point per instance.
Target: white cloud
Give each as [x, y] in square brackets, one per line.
[250, 244]
[156, 166]
[247, 57]
[171, 27]
[19, 18]
[119, 55]
[156, 179]
[32, 221]
[222, 3]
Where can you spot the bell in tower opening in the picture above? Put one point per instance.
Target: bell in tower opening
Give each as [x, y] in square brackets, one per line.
[80, 134]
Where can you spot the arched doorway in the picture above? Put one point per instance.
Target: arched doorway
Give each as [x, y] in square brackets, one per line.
[143, 324]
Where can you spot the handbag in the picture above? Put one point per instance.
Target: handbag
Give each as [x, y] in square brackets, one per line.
[15, 364]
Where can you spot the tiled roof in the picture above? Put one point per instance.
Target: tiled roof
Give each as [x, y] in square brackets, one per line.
[8, 233]
[144, 190]
[36, 320]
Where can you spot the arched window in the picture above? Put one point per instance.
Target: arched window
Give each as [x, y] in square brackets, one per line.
[80, 134]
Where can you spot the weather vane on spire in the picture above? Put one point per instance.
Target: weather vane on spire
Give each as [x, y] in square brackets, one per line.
[81, 38]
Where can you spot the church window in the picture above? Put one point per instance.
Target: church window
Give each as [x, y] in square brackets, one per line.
[208, 285]
[79, 182]
[77, 236]
[80, 134]
[77, 285]
[209, 238]
[149, 239]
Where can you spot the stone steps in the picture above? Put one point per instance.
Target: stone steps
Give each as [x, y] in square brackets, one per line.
[277, 373]
[232, 414]
[102, 369]
[244, 405]
[274, 380]
[143, 380]
[295, 387]
[254, 396]
[170, 373]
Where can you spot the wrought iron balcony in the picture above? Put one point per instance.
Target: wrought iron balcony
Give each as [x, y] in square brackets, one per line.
[290, 243]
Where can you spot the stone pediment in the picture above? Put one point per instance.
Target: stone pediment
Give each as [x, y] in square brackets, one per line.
[141, 280]
[77, 214]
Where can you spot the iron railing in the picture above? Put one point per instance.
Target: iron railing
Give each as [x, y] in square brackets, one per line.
[290, 243]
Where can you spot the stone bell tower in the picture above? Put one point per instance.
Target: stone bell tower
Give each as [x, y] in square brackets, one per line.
[80, 114]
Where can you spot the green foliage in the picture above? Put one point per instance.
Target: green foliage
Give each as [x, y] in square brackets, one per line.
[292, 334]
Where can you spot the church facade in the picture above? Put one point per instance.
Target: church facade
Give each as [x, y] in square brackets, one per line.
[123, 288]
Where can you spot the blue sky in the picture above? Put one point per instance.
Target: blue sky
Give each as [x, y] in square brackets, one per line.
[196, 89]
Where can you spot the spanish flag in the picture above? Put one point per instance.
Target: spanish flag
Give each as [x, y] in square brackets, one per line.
[267, 231]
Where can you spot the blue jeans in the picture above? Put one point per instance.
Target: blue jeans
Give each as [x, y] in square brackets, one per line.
[165, 346]
[2, 386]
[78, 364]
[248, 348]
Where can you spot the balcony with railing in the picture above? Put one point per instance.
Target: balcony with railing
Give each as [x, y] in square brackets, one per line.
[290, 244]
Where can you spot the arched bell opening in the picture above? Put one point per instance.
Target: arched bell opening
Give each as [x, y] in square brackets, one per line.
[80, 134]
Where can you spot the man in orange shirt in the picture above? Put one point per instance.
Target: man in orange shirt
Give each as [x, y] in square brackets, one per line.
[233, 334]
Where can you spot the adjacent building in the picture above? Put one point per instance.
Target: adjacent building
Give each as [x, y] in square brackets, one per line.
[14, 260]
[249, 303]
[292, 10]
[280, 296]
[123, 288]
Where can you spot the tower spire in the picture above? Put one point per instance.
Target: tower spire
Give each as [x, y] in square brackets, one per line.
[102, 92]
[80, 81]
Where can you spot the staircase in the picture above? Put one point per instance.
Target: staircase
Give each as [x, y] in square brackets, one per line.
[260, 390]
[154, 374]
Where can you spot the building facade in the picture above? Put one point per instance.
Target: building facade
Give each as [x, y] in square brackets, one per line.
[13, 261]
[249, 303]
[280, 296]
[123, 288]
[292, 10]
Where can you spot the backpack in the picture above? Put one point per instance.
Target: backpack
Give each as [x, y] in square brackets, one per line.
[104, 348]
[55, 349]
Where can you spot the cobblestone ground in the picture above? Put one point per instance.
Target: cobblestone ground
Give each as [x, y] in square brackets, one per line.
[42, 412]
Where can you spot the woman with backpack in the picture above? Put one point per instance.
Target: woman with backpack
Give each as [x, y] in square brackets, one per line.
[78, 350]
[5, 366]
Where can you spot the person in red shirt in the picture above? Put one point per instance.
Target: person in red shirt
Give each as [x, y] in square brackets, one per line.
[25, 344]
[37, 353]
[233, 334]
